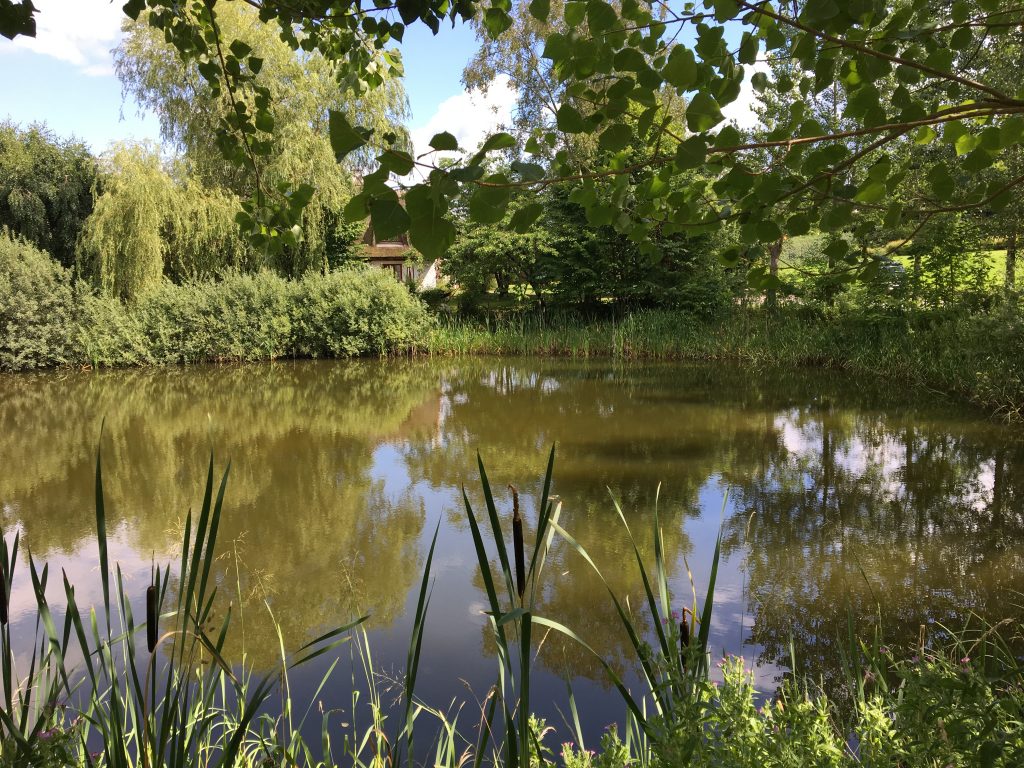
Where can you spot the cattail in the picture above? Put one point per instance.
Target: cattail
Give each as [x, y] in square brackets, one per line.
[517, 544]
[684, 638]
[151, 618]
[3, 602]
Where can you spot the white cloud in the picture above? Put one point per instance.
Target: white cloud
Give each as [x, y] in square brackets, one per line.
[741, 111]
[469, 116]
[80, 32]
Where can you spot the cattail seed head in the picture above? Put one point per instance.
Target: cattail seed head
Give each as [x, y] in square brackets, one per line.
[684, 637]
[152, 626]
[517, 543]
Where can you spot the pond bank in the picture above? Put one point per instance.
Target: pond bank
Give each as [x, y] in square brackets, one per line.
[977, 358]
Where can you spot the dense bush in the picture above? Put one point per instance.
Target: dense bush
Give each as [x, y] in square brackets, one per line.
[46, 320]
[38, 308]
[355, 311]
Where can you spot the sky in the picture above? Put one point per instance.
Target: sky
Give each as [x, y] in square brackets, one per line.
[64, 77]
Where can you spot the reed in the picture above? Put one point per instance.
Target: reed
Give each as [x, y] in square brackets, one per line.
[979, 358]
[182, 704]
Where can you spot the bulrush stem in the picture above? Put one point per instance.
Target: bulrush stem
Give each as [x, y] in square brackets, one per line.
[517, 544]
[152, 626]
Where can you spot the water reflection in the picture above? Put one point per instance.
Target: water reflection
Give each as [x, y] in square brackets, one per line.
[844, 497]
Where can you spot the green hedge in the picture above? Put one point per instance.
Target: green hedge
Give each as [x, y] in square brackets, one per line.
[48, 320]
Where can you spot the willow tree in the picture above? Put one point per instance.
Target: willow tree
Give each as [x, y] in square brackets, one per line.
[300, 88]
[122, 245]
[150, 223]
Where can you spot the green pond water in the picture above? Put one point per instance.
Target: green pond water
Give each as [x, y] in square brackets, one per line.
[835, 496]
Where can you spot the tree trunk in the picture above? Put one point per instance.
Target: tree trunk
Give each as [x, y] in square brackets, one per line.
[1010, 278]
[774, 251]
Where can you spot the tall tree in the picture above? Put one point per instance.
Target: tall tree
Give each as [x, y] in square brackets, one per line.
[191, 114]
[46, 188]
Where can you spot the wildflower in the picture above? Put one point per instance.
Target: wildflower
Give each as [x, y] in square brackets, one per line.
[965, 660]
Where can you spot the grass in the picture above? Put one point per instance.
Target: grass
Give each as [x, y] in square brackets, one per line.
[174, 701]
[977, 358]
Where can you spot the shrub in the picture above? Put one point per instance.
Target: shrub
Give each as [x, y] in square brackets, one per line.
[355, 311]
[38, 308]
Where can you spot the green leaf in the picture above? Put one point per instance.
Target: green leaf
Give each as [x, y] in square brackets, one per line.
[496, 21]
[429, 231]
[615, 137]
[264, 121]
[893, 215]
[749, 48]
[388, 218]
[630, 60]
[870, 192]
[600, 16]
[798, 224]
[540, 9]
[1011, 131]
[239, 49]
[344, 137]
[498, 141]
[574, 13]
[691, 153]
[941, 182]
[759, 82]
[488, 204]
[396, 161]
[527, 171]
[444, 142]
[525, 217]
[680, 71]
[703, 113]
[569, 120]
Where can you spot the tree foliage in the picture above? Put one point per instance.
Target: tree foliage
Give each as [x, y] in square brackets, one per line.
[46, 188]
[148, 224]
[902, 74]
[292, 93]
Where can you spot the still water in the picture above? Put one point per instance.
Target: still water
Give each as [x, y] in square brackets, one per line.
[834, 496]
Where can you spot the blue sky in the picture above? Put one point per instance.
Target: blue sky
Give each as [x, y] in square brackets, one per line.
[64, 77]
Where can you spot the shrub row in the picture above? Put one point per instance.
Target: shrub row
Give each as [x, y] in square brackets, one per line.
[47, 319]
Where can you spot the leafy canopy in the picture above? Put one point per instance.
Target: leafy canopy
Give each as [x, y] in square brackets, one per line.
[903, 72]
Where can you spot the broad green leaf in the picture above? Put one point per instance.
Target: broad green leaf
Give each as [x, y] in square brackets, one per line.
[630, 60]
[680, 71]
[569, 120]
[574, 13]
[870, 192]
[524, 218]
[444, 142]
[941, 182]
[388, 218]
[344, 137]
[615, 137]
[540, 9]
[691, 153]
[496, 21]
[600, 16]
[702, 113]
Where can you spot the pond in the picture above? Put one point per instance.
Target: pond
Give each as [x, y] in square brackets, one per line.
[835, 497]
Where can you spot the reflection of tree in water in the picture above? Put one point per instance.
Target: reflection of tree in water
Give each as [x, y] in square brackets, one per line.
[907, 523]
[316, 527]
[839, 513]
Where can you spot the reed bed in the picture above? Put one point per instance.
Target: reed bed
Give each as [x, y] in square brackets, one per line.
[173, 700]
[976, 358]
